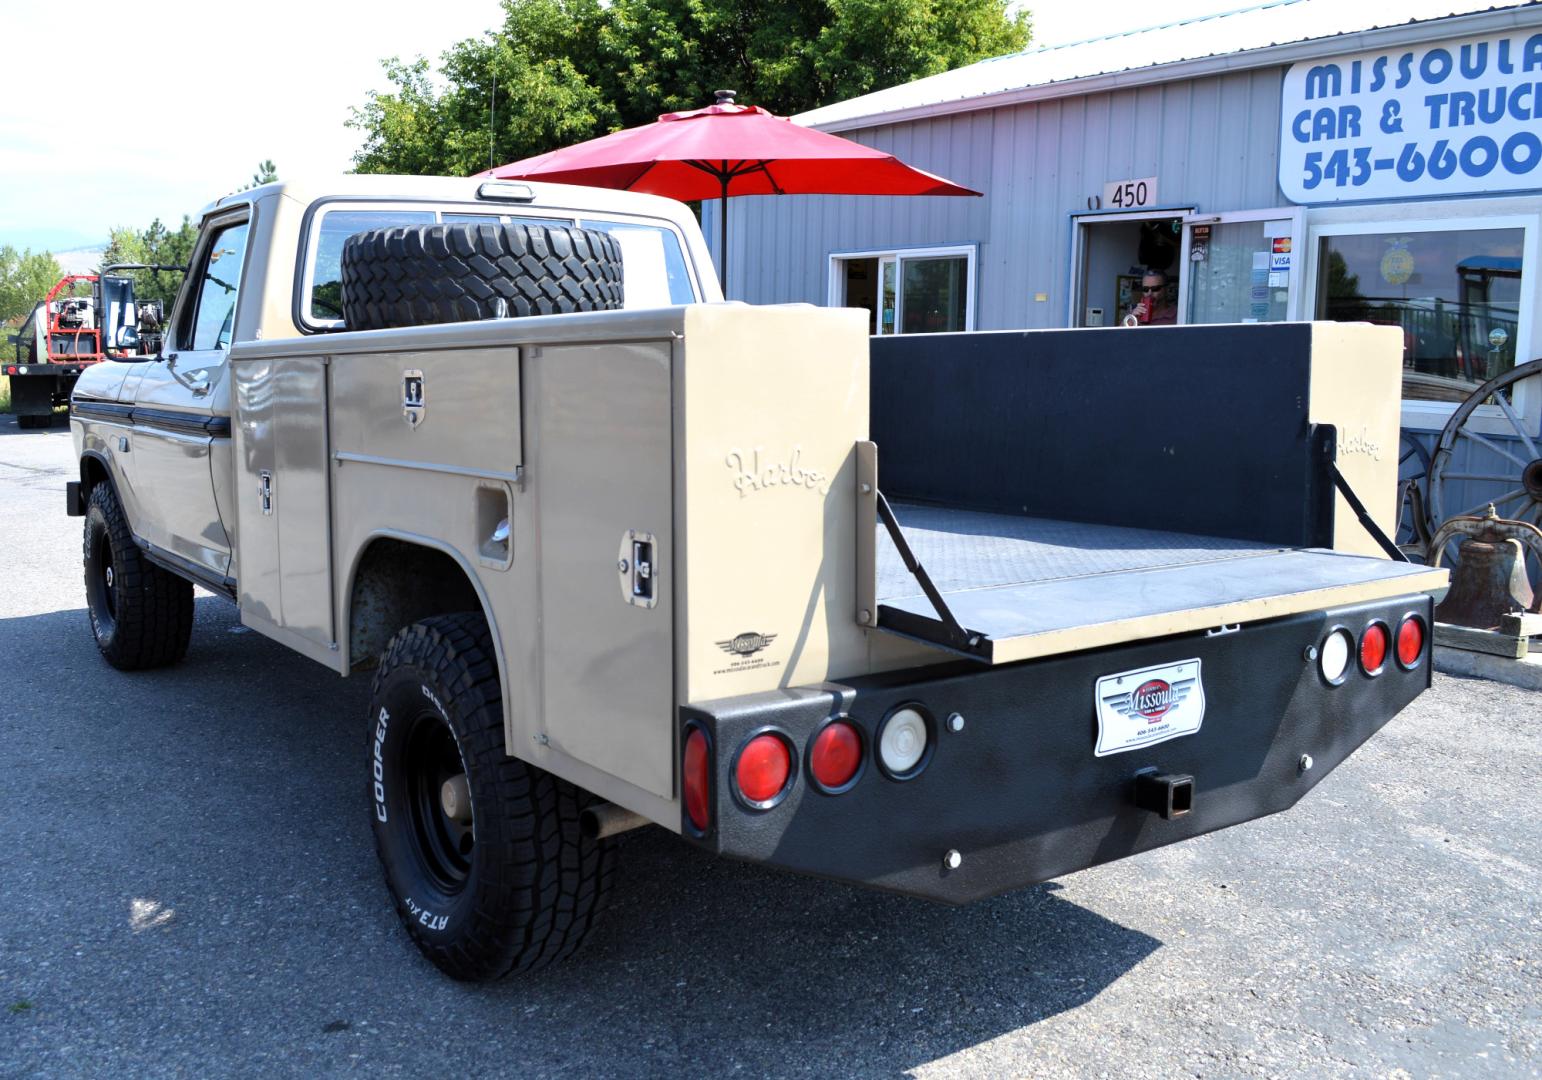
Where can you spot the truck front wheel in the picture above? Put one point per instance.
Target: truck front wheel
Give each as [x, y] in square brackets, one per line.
[141, 615]
[483, 852]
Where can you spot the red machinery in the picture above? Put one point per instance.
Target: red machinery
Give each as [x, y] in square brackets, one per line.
[66, 333]
[72, 334]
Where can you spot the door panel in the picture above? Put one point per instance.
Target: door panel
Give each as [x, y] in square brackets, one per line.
[182, 404]
[283, 494]
[600, 465]
[169, 463]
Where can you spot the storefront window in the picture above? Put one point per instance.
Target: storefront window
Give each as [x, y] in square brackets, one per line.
[924, 292]
[933, 295]
[1239, 271]
[1455, 294]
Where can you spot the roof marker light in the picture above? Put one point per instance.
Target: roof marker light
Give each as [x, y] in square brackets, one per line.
[505, 191]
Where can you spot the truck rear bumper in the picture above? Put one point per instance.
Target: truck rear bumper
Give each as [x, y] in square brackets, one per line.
[1018, 793]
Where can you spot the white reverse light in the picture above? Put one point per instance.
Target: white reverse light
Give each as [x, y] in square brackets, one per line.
[1336, 651]
[903, 741]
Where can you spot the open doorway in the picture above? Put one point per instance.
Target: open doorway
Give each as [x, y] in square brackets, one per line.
[1130, 270]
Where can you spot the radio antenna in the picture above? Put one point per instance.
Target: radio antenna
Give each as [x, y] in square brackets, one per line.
[492, 111]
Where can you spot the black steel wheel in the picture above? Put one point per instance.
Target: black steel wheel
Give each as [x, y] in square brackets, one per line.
[141, 615]
[483, 853]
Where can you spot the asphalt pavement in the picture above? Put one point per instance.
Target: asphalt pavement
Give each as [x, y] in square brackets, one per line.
[188, 888]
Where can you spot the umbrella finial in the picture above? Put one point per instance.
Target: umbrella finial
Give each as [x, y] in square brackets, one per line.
[724, 97]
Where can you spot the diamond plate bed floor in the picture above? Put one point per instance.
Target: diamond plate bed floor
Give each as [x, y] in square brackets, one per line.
[1025, 587]
[967, 549]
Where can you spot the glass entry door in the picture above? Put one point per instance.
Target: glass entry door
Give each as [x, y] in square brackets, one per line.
[921, 291]
[1241, 267]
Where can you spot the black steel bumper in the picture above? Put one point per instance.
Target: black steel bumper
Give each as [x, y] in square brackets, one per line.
[1018, 792]
[27, 371]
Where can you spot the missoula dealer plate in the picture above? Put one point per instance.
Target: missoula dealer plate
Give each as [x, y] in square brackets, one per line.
[1148, 706]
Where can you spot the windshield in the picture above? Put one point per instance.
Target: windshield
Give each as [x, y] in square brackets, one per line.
[655, 273]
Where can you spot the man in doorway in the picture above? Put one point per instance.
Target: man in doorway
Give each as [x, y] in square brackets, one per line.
[1155, 307]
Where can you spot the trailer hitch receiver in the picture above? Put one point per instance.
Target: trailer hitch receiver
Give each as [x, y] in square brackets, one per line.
[1168, 794]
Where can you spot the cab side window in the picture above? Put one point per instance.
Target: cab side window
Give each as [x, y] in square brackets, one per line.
[218, 282]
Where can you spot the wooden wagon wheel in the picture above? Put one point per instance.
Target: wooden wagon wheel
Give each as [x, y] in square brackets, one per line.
[1511, 476]
[1413, 500]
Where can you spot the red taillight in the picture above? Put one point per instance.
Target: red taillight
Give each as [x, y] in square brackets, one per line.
[1410, 641]
[1373, 648]
[836, 755]
[696, 779]
[763, 768]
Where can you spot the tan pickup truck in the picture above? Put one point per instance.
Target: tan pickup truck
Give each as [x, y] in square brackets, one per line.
[620, 553]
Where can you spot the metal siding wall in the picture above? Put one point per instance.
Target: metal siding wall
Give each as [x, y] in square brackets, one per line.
[1211, 142]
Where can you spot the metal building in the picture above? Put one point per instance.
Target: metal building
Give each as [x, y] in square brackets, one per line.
[1291, 160]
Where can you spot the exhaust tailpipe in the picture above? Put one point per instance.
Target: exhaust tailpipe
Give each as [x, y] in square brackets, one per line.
[607, 819]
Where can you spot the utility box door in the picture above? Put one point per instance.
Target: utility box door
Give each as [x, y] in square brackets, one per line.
[598, 446]
[283, 499]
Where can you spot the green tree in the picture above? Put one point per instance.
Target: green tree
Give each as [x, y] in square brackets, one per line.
[156, 245]
[266, 173]
[561, 71]
[25, 278]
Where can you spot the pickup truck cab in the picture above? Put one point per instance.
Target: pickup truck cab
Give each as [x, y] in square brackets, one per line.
[619, 553]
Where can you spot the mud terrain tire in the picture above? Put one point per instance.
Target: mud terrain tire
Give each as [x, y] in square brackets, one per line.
[421, 274]
[141, 615]
[517, 886]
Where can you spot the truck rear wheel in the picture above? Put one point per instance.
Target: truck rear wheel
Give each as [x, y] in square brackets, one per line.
[141, 615]
[421, 274]
[483, 852]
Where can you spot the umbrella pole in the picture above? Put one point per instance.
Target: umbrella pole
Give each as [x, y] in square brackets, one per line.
[722, 239]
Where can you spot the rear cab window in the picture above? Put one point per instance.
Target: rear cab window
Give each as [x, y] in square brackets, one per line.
[653, 254]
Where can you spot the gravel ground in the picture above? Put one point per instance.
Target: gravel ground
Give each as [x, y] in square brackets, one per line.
[189, 889]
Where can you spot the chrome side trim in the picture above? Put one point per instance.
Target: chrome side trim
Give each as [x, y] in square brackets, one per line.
[516, 477]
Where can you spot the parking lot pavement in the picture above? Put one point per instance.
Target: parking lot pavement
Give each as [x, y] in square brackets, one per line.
[188, 888]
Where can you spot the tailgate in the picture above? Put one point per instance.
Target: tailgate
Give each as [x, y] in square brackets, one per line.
[1023, 587]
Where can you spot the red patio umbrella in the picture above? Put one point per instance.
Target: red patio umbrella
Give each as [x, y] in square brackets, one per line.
[728, 149]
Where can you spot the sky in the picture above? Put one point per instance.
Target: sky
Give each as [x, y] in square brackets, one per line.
[81, 155]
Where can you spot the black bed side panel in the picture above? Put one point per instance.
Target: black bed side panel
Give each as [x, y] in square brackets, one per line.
[1198, 429]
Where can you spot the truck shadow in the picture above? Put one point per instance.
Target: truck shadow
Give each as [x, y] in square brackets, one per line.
[245, 794]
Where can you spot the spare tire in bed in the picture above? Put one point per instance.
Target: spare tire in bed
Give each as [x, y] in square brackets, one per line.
[420, 274]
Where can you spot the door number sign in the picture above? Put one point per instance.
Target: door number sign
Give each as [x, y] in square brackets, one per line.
[1130, 194]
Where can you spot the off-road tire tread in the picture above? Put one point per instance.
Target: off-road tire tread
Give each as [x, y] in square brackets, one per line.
[416, 275]
[154, 606]
[541, 883]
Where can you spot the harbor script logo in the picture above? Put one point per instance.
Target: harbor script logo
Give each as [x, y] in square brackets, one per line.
[753, 473]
